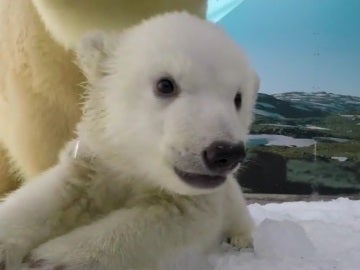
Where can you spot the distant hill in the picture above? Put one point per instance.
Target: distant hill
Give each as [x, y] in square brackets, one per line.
[292, 105]
[327, 102]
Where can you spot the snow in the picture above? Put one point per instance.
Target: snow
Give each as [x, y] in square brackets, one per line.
[300, 107]
[321, 94]
[279, 125]
[351, 116]
[318, 104]
[281, 140]
[353, 102]
[269, 114]
[267, 105]
[278, 239]
[316, 127]
[292, 236]
[333, 139]
[341, 159]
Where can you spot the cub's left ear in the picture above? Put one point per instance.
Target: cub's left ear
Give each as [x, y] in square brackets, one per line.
[91, 52]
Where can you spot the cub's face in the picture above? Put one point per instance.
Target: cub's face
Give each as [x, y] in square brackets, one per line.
[174, 99]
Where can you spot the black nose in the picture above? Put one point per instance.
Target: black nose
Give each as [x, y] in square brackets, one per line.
[221, 156]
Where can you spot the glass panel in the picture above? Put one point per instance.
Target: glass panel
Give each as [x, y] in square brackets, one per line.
[306, 137]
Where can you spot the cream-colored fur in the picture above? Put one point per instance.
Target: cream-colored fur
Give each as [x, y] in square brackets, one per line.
[39, 83]
[116, 201]
[69, 20]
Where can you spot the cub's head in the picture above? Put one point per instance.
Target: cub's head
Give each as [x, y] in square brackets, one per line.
[169, 102]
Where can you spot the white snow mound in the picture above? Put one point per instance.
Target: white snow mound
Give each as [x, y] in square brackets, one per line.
[291, 236]
[282, 239]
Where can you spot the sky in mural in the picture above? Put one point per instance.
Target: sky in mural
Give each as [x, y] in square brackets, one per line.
[308, 45]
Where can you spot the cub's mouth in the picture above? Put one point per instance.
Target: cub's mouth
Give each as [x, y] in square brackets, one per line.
[200, 180]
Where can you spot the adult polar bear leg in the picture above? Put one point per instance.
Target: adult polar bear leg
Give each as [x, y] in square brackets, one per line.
[39, 92]
[133, 238]
[39, 83]
[67, 20]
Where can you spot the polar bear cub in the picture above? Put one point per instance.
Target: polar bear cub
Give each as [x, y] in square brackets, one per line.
[167, 111]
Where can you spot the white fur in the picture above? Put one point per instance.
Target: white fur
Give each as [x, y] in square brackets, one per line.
[119, 204]
[68, 20]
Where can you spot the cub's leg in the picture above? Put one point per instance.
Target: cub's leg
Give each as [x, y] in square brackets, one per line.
[137, 237]
[241, 224]
[34, 213]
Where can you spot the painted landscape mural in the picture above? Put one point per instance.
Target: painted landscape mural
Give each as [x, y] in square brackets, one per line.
[306, 135]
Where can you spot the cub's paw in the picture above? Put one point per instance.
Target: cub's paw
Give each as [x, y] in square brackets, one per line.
[32, 262]
[241, 241]
[60, 254]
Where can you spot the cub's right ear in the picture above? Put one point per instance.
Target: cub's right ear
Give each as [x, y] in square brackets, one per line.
[91, 51]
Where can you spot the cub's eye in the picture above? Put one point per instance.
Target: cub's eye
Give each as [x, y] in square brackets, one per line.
[238, 101]
[166, 87]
